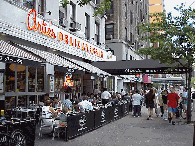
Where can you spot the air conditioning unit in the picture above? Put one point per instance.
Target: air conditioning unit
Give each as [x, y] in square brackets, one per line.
[75, 26]
[65, 22]
[108, 37]
[78, 26]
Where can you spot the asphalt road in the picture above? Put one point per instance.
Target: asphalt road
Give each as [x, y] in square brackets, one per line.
[129, 131]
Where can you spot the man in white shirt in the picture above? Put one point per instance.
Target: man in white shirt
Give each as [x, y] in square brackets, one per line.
[136, 103]
[122, 93]
[85, 105]
[105, 96]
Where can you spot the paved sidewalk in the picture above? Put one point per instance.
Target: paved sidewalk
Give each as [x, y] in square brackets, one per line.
[130, 131]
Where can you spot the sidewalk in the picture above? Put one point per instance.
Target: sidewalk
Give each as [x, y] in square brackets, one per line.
[130, 131]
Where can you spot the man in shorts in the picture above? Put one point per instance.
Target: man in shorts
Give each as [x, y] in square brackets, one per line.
[172, 102]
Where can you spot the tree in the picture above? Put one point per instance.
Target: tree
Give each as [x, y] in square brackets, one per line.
[176, 39]
[101, 8]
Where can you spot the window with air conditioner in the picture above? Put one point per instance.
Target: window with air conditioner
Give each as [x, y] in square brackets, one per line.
[109, 32]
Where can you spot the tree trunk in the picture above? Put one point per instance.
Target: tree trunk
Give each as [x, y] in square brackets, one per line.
[189, 94]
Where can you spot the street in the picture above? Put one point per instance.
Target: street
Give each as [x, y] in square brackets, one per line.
[130, 131]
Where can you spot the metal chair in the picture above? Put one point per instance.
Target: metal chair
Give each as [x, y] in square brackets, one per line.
[46, 123]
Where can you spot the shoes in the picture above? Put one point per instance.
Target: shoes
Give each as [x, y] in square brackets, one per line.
[151, 118]
[148, 118]
[138, 116]
[134, 116]
[173, 123]
[157, 115]
[161, 115]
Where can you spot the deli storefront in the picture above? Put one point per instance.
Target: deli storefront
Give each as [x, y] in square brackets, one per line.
[39, 58]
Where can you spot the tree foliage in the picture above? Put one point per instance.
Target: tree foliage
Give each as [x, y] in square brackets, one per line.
[100, 9]
[175, 36]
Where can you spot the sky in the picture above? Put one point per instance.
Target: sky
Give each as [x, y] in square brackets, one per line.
[170, 4]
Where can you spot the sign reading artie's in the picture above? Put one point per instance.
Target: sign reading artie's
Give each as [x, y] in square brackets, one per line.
[62, 36]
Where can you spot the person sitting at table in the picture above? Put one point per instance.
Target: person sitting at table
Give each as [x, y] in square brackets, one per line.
[85, 105]
[81, 97]
[75, 103]
[63, 117]
[91, 97]
[48, 110]
[67, 102]
[57, 103]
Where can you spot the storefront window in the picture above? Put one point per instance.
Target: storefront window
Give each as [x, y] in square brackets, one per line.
[21, 78]
[40, 79]
[31, 79]
[10, 102]
[59, 79]
[22, 101]
[110, 84]
[10, 77]
[32, 99]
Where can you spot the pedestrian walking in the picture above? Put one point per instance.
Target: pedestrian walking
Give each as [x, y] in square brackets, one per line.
[172, 102]
[164, 95]
[156, 102]
[161, 104]
[136, 103]
[184, 100]
[149, 98]
[193, 98]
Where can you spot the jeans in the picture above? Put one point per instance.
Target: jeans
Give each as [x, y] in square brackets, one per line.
[137, 109]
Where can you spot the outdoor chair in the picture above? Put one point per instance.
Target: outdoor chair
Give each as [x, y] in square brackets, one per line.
[46, 124]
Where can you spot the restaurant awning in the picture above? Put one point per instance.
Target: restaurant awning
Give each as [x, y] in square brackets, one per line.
[58, 60]
[12, 54]
[130, 67]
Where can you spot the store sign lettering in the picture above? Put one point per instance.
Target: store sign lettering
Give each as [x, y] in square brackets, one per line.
[11, 59]
[67, 39]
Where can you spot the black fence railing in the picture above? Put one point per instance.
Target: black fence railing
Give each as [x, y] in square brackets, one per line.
[85, 122]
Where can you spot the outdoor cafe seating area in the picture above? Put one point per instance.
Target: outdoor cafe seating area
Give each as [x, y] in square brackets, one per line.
[19, 124]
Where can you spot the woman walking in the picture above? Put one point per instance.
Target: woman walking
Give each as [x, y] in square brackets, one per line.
[165, 107]
[150, 97]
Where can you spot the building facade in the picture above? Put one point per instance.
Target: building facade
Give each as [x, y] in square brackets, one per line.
[47, 49]
[122, 36]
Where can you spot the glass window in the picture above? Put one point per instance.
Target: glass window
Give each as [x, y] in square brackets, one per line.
[125, 34]
[10, 102]
[32, 99]
[110, 11]
[87, 26]
[40, 79]
[28, 3]
[110, 84]
[109, 30]
[22, 101]
[72, 10]
[10, 77]
[97, 33]
[21, 78]
[125, 11]
[31, 79]
[59, 79]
